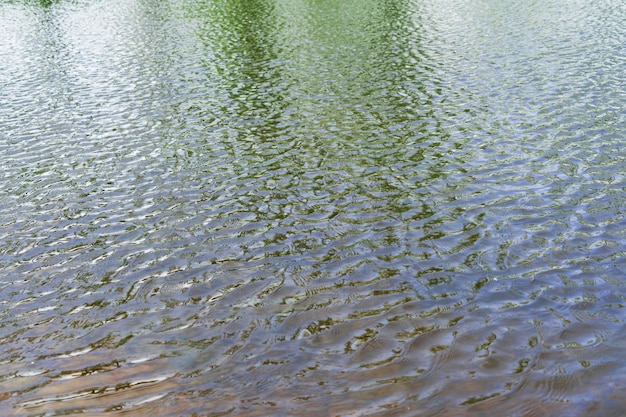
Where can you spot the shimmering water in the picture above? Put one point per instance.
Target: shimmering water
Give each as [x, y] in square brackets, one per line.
[312, 207]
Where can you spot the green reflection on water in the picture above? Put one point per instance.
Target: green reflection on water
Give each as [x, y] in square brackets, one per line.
[318, 101]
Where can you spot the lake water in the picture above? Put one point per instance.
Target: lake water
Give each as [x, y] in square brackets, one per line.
[313, 208]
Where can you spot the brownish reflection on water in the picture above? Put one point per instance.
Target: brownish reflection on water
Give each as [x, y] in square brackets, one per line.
[381, 208]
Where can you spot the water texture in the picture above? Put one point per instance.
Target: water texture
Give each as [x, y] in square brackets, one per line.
[313, 207]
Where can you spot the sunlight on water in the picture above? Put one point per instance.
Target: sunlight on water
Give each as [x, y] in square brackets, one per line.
[321, 208]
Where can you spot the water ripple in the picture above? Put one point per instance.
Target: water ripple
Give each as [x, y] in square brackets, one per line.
[357, 208]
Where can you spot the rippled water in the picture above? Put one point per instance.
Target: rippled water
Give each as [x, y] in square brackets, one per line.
[324, 208]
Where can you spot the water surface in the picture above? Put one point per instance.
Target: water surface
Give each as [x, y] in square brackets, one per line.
[355, 208]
